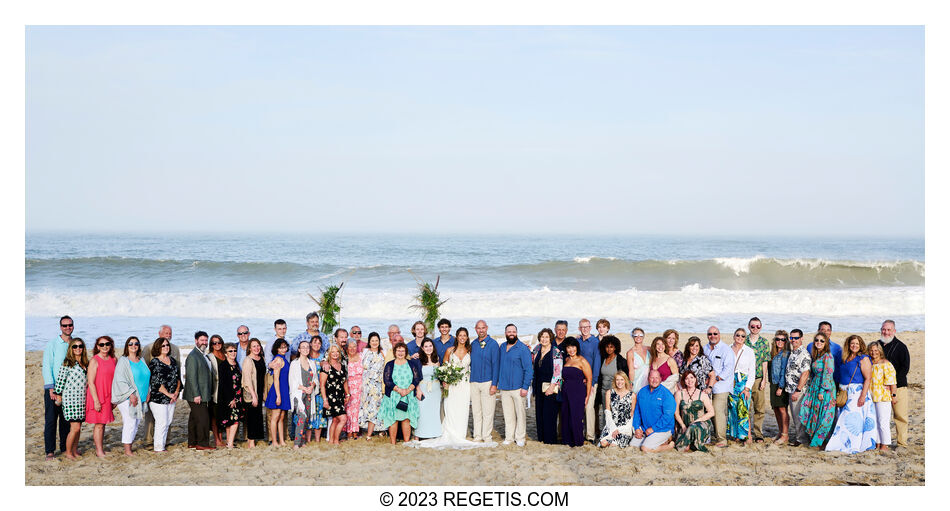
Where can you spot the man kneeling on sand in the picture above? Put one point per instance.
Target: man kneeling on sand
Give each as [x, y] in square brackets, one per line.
[653, 416]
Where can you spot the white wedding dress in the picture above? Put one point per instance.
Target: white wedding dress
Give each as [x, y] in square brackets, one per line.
[455, 422]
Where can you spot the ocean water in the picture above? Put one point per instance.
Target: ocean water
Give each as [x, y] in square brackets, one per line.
[130, 284]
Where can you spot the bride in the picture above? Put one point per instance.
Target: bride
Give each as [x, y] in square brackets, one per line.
[456, 404]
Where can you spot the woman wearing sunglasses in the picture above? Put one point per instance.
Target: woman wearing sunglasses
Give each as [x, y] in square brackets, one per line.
[70, 392]
[164, 385]
[99, 396]
[818, 405]
[230, 410]
[130, 390]
[215, 356]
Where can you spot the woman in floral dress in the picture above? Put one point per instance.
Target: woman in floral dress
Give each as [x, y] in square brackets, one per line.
[317, 420]
[372, 393]
[230, 405]
[70, 390]
[694, 410]
[618, 413]
[335, 392]
[354, 384]
[818, 405]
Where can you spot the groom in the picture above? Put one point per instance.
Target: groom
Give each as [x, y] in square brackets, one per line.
[514, 379]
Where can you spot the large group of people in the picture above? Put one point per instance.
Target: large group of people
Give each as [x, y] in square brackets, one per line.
[584, 389]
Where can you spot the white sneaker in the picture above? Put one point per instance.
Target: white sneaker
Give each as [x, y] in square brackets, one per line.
[519, 444]
[506, 442]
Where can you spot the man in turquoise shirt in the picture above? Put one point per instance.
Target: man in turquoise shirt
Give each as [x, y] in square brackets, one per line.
[53, 356]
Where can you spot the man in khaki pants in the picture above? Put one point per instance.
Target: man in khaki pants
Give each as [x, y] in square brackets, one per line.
[484, 382]
[589, 348]
[720, 380]
[760, 394]
[897, 354]
[514, 379]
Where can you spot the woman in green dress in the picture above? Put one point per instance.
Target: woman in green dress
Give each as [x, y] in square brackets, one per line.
[694, 410]
[400, 406]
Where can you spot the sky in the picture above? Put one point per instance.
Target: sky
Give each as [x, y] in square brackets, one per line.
[814, 131]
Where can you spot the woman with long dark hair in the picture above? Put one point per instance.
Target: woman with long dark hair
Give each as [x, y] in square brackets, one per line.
[70, 392]
[99, 396]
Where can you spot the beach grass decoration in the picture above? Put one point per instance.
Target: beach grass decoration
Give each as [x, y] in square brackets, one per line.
[427, 301]
[329, 310]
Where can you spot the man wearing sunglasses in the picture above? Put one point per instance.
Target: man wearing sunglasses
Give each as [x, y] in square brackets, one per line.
[760, 396]
[53, 356]
[720, 379]
[243, 341]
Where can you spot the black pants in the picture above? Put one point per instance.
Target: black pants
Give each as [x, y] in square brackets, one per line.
[546, 412]
[53, 414]
[199, 424]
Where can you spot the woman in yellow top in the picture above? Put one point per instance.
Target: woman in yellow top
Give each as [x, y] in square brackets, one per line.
[883, 392]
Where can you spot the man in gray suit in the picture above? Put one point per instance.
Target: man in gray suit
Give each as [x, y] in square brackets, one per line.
[198, 381]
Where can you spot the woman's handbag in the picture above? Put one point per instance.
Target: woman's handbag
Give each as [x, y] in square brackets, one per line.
[843, 392]
[402, 404]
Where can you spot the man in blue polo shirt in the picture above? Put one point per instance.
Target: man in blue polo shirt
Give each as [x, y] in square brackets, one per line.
[590, 350]
[653, 416]
[484, 382]
[514, 379]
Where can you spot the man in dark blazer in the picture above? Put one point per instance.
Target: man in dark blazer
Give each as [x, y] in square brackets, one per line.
[198, 381]
[897, 354]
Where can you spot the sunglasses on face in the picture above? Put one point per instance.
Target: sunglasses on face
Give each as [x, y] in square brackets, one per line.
[134, 344]
[794, 338]
[77, 347]
[780, 339]
[243, 333]
[67, 326]
[104, 344]
[231, 351]
[356, 332]
[166, 346]
[216, 343]
[755, 326]
[740, 336]
[713, 335]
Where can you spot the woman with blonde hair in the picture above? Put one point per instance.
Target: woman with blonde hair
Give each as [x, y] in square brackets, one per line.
[335, 392]
[618, 413]
[70, 392]
[638, 360]
[856, 429]
[883, 391]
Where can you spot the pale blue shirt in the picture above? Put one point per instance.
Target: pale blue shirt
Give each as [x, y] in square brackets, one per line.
[723, 361]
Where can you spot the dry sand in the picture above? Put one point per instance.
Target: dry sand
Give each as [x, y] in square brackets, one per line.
[372, 463]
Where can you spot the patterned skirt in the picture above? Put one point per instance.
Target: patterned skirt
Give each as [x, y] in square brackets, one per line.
[737, 422]
[856, 430]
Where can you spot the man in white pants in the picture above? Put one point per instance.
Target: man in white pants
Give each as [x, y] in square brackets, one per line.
[484, 382]
[514, 379]
[653, 416]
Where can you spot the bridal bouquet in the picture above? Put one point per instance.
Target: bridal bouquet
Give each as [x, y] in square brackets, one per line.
[450, 374]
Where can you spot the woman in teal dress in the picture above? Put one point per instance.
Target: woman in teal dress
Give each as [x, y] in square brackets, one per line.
[694, 410]
[818, 405]
[400, 407]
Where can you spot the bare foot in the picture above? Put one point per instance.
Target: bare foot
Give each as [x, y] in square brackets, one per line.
[100, 454]
[71, 456]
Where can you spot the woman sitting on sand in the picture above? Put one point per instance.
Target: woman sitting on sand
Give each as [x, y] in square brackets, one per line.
[883, 392]
[638, 361]
[230, 404]
[818, 405]
[70, 392]
[130, 390]
[856, 428]
[278, 396]
[99, 396]
[618, 417]
[661, 362]
[694, 411]
[778, 362]
[400, 407]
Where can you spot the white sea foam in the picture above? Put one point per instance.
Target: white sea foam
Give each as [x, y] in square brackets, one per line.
[739, 265]
[691, 301]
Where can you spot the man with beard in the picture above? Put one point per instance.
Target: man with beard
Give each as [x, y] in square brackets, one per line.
[514, 378]
[895, 351]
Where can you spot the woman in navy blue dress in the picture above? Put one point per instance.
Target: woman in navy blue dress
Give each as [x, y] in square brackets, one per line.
[576, 392]
[278, 396]
[548, 366]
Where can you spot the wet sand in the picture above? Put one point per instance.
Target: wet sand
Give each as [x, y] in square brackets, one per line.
[372, 463]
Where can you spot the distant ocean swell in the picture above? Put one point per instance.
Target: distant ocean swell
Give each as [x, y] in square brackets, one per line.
[690, 301]
[584, 273]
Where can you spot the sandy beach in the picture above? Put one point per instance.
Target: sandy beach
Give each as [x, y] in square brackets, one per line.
[371, 463]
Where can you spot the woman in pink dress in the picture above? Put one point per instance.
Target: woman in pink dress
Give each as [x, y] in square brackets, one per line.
[99, 390]
[354, 382]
